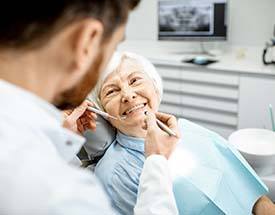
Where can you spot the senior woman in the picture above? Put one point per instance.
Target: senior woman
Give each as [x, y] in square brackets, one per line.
[130, 87]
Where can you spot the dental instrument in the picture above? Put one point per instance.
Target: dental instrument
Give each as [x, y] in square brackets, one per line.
[159, 123]
[271, 117]
[102, 113]
[164, 127]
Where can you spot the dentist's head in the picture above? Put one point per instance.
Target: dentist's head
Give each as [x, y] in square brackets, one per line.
[129, 86]
[56, 49]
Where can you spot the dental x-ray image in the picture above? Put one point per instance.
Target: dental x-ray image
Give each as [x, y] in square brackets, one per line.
[186, 19]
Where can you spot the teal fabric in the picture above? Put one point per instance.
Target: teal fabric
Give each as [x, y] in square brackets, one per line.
[221, 182]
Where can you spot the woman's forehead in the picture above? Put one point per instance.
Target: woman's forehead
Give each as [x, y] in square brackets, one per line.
[124, 70]
[128, 64]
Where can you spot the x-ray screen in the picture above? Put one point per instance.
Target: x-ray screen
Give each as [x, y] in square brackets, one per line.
[192, 19]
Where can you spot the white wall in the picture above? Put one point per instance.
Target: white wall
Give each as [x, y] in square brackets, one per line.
[250, 23]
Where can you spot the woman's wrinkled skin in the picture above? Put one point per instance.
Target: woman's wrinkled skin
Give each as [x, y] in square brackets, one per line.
[129, 92]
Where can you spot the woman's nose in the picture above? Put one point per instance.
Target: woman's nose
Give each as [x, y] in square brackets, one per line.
[128, 97]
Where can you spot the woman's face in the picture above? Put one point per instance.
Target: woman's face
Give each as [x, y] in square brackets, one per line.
[129, 92]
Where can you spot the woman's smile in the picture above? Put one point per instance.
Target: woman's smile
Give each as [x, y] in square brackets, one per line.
[135, 109]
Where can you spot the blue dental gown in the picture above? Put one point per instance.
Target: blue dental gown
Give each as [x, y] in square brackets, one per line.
[209, 176]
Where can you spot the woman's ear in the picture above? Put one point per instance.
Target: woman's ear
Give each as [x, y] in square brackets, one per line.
[87, 41]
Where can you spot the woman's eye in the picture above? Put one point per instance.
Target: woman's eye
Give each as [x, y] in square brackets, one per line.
[134, 80]
[109, 92]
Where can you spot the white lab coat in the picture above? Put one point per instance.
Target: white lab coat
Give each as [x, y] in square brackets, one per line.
[35, 176]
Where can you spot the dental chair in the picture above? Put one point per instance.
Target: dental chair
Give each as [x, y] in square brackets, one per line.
[96, 143]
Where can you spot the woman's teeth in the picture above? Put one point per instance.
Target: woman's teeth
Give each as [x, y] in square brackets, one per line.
[136, 107]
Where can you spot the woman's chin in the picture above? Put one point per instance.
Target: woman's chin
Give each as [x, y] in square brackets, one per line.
[134, 129]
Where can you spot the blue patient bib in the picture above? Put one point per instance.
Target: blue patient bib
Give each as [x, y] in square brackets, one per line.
[210, 176]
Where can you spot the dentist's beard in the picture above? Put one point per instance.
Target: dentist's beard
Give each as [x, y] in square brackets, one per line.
[76, 95]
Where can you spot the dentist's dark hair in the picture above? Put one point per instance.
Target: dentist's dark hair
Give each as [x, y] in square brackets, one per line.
[30, 24]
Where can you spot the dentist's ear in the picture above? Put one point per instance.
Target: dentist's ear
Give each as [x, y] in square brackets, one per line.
[87, 40]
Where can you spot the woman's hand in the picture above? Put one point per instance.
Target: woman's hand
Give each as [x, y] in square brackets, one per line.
[80, 119]
[157, 141]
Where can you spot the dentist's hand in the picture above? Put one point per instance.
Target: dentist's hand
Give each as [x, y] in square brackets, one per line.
[80, 119]
[157, 141]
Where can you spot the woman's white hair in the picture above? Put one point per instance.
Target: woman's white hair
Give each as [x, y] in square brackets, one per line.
[148, 69]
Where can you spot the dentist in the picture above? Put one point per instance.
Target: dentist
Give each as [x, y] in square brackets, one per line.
[51, 54]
